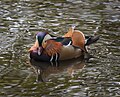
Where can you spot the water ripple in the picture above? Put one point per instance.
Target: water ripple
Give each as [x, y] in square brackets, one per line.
[20, 20]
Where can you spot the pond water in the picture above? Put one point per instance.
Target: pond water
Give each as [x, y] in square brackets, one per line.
[20, 20]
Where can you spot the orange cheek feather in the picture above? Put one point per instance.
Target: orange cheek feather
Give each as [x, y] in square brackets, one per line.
[34, 47]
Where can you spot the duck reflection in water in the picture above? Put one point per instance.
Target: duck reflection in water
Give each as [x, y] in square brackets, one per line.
[44, 69]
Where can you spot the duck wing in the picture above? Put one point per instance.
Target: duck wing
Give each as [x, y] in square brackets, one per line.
[63, 40]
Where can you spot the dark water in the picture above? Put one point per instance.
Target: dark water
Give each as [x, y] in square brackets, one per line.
[21, 19]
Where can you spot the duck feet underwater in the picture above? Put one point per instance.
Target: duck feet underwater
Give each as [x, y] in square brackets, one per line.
[69, 46]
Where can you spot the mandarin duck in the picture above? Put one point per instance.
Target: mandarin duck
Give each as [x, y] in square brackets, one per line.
[51, 48]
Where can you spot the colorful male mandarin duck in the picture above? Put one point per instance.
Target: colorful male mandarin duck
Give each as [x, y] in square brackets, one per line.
[50, 48]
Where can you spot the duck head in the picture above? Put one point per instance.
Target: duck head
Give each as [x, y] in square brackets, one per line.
[41, 38]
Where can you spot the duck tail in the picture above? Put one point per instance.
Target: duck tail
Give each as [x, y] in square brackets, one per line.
[92, 39]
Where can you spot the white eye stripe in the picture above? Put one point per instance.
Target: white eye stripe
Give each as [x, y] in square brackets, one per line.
[47, 37]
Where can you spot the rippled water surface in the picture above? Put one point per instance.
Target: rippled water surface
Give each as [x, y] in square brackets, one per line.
[21, 19]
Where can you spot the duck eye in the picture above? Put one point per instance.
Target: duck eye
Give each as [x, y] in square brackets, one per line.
[45, 42]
